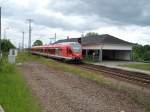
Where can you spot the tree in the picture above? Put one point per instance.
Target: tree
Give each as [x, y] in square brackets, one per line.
[6, 45]
[146, 56]
[146, 48]
[138, 52]
[37, 43]
[91, 34]
[141, 53]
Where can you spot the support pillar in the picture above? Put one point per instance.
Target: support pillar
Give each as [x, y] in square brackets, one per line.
[86, 52]
[131, 55]
[114, 55]
[100, 55]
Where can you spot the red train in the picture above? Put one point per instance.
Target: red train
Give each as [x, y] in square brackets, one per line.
[69, 51]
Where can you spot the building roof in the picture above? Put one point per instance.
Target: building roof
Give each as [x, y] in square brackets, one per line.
[99, 39]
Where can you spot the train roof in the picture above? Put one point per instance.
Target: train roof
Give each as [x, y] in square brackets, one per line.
[65, 44]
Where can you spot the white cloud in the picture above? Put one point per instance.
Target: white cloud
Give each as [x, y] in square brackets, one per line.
[134, 34]
[70, 18]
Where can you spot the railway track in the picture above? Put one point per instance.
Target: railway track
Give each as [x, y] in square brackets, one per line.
[133, 77]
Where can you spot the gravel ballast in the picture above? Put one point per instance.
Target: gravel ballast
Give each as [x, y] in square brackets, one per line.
[59, 91]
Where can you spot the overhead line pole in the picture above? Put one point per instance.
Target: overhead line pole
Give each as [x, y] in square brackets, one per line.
[55, 37]
[30, 30]
[23, 40]
[0, 35]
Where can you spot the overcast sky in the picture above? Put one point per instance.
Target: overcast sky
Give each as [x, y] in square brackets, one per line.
[125, 19]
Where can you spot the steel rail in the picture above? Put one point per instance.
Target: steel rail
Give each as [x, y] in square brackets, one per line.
[139, 78]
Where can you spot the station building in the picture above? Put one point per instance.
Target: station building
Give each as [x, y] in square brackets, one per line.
[104, 47]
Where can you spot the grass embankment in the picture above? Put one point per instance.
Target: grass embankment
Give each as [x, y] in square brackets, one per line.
[137, 96]
[145, 66]
[15, 96]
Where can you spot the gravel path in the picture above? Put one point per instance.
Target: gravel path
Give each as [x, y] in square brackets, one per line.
[64, 92]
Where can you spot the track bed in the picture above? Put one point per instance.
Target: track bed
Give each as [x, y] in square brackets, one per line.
[59, 91]
[134, 77]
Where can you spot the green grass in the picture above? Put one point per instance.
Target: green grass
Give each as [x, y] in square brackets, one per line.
[138, 97]
[62, 66]
[138, 66]
[15, 95]
[77, 71]
[23, 57]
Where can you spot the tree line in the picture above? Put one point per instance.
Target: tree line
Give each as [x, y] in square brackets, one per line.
[141, 52]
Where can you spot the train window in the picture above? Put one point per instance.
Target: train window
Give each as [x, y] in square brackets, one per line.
[40, 50]
[76, 47]
[49, 51]
[57, 51]
[53, 51]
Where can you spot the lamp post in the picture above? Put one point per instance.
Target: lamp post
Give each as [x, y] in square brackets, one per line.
[5, 29]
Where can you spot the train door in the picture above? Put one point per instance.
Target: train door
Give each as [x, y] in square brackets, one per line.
[49, 51]
[69, 52]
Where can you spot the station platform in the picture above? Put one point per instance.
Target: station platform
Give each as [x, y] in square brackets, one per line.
[117, 64]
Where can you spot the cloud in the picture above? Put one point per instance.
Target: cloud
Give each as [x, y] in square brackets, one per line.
[44, 16]
[59, 13]
[124, 19]
[134, 34]
[121, 12]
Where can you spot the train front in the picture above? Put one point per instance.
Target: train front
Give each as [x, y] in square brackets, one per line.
[76, 49]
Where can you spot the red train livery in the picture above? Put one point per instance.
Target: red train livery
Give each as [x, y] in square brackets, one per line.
[64, 51]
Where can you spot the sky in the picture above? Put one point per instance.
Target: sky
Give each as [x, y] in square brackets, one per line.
[126, 19]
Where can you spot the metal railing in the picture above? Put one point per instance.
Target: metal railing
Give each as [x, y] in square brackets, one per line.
[91, 58]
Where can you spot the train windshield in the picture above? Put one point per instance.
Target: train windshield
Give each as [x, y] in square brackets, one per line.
[76, 47]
